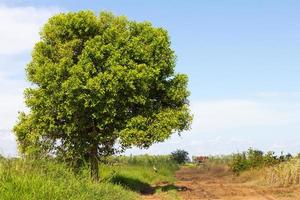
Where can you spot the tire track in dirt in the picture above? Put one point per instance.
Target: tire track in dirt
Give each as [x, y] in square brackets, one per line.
[219, 184]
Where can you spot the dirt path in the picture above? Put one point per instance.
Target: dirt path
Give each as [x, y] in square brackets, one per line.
[196, 184]
[215, 185]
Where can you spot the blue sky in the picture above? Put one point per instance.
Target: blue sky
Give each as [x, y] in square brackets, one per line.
[242, 58]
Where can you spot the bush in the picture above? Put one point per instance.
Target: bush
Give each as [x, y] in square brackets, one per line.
[239, 163]
[180, 156]
[254, 159]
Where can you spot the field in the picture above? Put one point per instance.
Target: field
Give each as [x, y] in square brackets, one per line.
[151, 178]
[121, 178]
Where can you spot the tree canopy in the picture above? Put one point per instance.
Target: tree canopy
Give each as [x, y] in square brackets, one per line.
[100, 84]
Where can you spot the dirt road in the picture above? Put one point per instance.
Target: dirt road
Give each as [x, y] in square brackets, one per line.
[197, 184]
[216, 185]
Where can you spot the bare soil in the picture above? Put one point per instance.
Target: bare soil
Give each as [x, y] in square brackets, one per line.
[199, 184]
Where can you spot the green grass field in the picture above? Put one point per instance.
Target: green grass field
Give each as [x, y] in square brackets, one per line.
[121, 178]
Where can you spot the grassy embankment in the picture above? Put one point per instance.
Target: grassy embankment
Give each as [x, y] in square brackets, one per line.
[123, 178]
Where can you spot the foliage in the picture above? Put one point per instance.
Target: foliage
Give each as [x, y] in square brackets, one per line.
[180, 156]
[122, 178]
[99, 81]
[239, 162]
[254, 159]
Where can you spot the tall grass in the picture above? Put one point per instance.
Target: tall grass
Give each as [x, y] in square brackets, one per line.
[121, 178]
[284, 174]
[33, 180]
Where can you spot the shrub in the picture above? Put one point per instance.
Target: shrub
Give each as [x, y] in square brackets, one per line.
[239, 162]
[180, 156]
[254, 159]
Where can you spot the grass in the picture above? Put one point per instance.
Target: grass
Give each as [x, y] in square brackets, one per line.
[121, 178]
[284, 174]
[142, 167]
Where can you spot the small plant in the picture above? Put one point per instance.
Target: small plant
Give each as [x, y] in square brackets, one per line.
[180, 156]
[239, 163]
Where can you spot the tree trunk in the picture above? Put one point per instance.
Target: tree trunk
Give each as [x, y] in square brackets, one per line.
[94, 163]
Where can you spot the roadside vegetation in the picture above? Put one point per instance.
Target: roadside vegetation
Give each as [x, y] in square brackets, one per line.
[270, 169]
[255, 159]
[256, 166]
[284, 174]
[121, 178]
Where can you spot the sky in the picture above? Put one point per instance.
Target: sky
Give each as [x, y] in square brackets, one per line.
[242, 59]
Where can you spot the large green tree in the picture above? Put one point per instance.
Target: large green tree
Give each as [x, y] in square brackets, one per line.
[100, 84]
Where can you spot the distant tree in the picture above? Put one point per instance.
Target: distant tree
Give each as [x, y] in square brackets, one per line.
[98, 82]
[180, 156]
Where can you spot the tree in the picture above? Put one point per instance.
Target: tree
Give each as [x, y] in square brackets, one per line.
[180, 156]
[100, 85]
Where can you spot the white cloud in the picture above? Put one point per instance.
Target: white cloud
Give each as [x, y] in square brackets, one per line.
[20, 26]
[19, 31]
[231, 114]
[13, 83]
[10, 106]
[226, 126]
[279, 95]
[8, 146]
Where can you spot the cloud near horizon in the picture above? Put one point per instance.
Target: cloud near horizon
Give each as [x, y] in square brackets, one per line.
[238, 113]
[19, 31]
[223, 126]
[226, 126]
